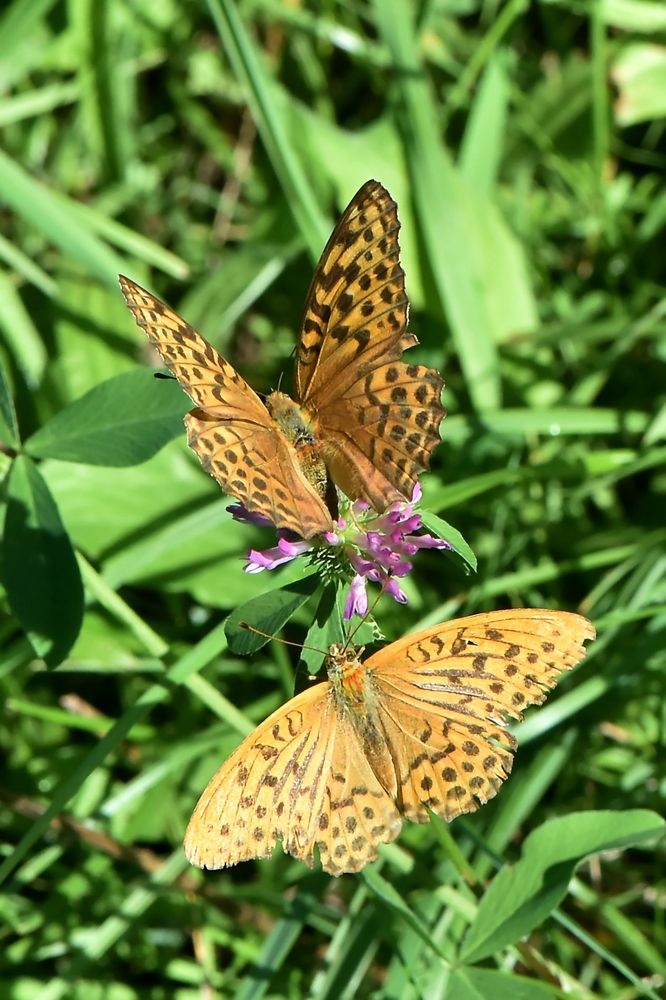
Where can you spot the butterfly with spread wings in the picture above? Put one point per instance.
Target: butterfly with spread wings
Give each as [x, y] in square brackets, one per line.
[418, 727]
[362, 419]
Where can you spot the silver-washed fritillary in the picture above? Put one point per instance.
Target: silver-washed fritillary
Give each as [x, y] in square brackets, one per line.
[418, 726]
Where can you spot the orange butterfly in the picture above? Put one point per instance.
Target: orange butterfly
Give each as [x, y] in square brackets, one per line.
[419, 724]
[362, 419]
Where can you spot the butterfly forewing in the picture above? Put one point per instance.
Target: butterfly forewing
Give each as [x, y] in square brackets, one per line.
[357, 301]
[210, 381]
[231, 430]
[445, 694]
[269, 789]
[377, 418]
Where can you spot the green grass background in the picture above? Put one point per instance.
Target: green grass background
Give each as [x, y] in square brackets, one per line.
[205, 149]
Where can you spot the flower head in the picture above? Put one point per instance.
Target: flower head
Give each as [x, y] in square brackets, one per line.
[378, 547]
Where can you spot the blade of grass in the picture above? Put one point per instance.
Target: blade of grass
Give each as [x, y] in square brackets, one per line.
[441, 208]
[51, 215]
[20, 333]
[268, 112]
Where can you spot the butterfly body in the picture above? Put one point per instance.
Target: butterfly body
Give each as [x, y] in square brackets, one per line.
[418, 727]
[361, 418]
[299, 431]
[357, 698]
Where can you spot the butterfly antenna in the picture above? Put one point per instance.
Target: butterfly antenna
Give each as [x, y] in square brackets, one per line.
[277, 638]
[369, 612]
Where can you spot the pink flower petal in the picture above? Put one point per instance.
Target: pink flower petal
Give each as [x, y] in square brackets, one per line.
[283, 552]
[357, 599]
[396, 593]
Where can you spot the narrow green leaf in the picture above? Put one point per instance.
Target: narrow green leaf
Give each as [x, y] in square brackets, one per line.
[9, 432]
[21, 263]
[268, 612]
[41, 575]
[50, 213]
[385, 892]
[442, 529]
[20, 333]
[481, 149]
[521, 896]
[275, 948]
[552, 422]
[130, 242]
[268, 111]
[478, 268]
[99, 83]
[122, 421]
[451, 494]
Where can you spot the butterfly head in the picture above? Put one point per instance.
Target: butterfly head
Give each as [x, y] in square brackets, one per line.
[345, 671]
[342, 660]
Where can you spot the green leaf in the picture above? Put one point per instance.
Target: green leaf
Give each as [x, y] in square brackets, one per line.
[521, 896]
[487, 984]
[479, 270]
[385, 892]
[327, 628]
[9, 431]
[442, 529]
[51, 214]
[40, 571]
[646, 16]
[123, 421]
[268, 612]
[269, 112]
[639, 73]
[481, 149]
[21, 334]
[19, 22]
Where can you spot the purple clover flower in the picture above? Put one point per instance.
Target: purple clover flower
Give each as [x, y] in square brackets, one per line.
[379, 547]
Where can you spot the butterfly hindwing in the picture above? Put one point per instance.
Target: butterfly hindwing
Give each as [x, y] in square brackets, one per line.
[257, 466]
[379, 435]
[445, 694]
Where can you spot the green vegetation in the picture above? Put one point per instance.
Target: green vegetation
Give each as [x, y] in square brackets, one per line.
[205, 149]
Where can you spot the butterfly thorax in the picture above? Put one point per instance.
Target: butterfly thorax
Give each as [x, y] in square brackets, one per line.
[300, 433]
[355, 697]
[291, 419]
